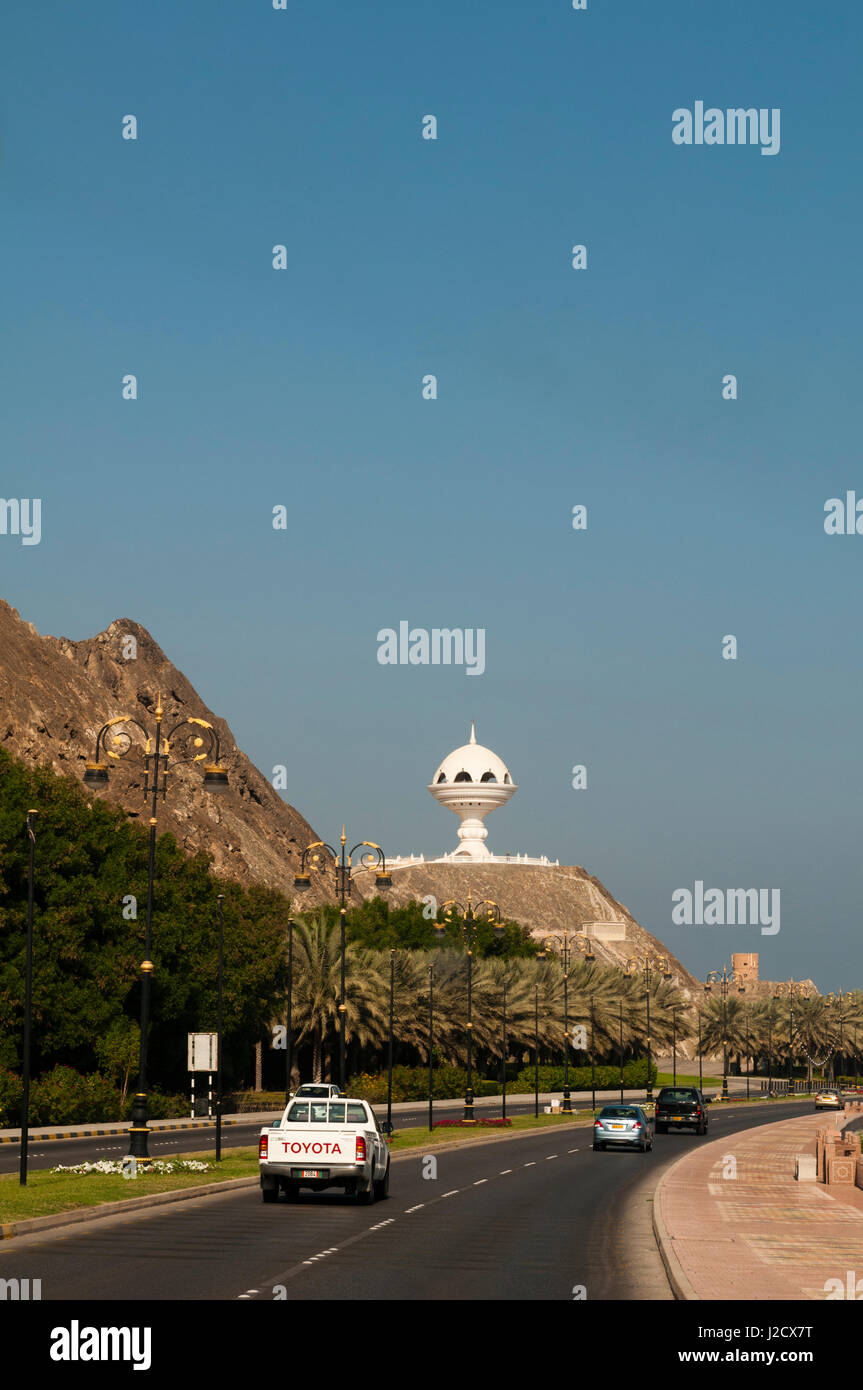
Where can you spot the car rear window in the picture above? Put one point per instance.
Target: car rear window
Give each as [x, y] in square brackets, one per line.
[678, 1095]
[321, 1112]
[619, 1112]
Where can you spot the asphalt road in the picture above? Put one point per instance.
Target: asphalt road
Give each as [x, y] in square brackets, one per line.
[531, 1217]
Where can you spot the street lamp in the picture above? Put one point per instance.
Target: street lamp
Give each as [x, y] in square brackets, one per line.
[564, 944]
[221, 902]
[834, 1001]
[28, 1007]
[315, 857]
[503, 1055]
[536, 1051]
[724, 980]
[647, 962]
[485, 911]
[289, 1029]
[786, 990]
[198, 743]
[700, 1056]
[431, 1047]
[390, 1045]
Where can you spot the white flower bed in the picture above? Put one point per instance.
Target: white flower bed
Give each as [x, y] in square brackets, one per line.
[156, 1165]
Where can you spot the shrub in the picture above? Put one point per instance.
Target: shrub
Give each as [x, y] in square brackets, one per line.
[412, 1083]
[497, 1123]
[164, 1107]
[66, 1097]
[10, 1099]
[605, 1078]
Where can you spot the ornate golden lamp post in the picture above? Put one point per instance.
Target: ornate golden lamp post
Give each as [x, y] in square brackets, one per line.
[648, 962]
[198, 742]
[315, 858]
[724, 980]
[485, 911]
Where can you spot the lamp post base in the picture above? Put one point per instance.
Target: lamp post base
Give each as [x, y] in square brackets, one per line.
[139, 1130]
[567, 1103]
[468, 1116]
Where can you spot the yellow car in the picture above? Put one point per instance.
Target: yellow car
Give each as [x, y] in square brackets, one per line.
[829, 1099]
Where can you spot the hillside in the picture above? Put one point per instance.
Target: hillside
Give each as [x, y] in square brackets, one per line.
[56, 694]
[544, 898]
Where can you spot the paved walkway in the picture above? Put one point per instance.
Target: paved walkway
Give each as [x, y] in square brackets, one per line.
[761, 1235]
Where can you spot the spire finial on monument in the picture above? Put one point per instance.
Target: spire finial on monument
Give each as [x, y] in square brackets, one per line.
[472, 738]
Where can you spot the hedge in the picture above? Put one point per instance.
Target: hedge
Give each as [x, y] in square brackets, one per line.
[64, 1096]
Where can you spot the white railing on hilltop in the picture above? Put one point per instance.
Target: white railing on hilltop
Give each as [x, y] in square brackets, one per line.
[403, 861]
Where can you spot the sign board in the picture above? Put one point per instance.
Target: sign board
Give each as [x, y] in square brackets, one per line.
[202, 1052]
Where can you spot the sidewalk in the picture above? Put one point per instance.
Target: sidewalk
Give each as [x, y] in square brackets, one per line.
[761, 1236]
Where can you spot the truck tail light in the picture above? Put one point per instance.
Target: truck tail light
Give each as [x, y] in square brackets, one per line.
[361, 1149]
[263, 1146]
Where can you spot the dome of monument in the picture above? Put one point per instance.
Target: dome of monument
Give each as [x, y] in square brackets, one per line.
[472, 762]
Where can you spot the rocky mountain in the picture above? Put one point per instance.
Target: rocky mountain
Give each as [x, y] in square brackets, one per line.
[55, 695]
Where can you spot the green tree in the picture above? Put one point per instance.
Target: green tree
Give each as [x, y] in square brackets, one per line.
[91, 861]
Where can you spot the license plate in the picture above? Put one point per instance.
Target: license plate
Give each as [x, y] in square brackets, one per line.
[312, 1173]
[616, 1126]
[676, 1119]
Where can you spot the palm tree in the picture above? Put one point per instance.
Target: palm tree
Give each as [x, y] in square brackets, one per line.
[724, 1026]
[317, 984]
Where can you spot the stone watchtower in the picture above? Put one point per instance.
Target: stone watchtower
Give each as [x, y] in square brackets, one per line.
[744, 964]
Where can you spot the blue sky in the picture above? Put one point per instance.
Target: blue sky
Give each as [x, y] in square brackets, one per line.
[556, 387]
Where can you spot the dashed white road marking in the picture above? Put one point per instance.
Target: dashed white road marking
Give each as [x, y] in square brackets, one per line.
[572, 1151]
[418, 1207]
[505, 1170]
[479, 1182]
[548, 1156]
[532, 1164]
[451, 1194]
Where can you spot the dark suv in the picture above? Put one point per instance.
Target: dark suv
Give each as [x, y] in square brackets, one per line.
[681, 1106]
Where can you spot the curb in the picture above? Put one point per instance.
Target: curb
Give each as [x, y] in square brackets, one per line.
[111, 1133]
[32, 1224]
[680, 1285]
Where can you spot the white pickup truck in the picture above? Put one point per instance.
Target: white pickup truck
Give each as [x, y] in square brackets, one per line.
[325, 1143]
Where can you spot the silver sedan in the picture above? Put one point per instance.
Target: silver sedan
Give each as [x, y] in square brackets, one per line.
[623, 1124]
